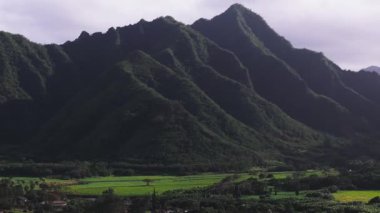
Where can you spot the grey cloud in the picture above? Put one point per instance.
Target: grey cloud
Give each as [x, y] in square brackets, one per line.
[346, 31]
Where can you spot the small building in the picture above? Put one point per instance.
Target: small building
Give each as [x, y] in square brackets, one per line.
[57, 205]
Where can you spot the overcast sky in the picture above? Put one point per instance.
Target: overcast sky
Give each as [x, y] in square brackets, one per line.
[347, 31]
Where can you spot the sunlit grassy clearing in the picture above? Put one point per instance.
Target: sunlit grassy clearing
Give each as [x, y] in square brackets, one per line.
[356, 195]
[134, 185]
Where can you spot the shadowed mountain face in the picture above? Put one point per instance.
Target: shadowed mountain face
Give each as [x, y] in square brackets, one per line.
[225, 90]
[300, 81]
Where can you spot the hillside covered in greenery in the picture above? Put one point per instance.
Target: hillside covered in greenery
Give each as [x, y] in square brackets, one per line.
[228, 90]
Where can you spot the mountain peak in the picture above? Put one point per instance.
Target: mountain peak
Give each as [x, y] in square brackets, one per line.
[372, 69]
[166, 19]
[84, 35]
[238, 7]
[233, 12]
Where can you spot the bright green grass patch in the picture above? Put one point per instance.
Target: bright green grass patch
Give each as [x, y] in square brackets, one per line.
[134, 185]
[356, 195]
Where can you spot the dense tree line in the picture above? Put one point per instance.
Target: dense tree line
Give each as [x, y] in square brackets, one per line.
[80, 169]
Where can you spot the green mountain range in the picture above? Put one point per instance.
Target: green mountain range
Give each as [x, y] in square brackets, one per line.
[225, 90]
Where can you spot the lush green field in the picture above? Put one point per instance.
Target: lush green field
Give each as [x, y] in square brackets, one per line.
[356, 195]
[135, 185]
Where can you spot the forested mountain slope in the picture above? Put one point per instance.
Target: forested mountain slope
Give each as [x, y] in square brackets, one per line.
[225, 90]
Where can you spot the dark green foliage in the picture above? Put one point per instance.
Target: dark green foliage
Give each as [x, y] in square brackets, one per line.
[24, 195]
[9, 192]
[321, 194]
[108, 202]
[63, 169]
[375, 200]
